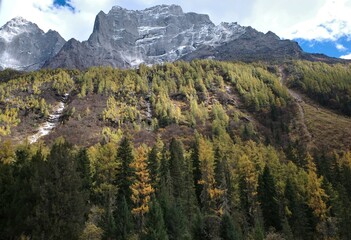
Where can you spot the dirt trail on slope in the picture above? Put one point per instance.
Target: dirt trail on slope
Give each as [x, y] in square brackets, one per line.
[300, 106]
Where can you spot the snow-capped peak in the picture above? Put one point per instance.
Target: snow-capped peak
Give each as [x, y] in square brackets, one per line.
[18, 21]
[14, 27]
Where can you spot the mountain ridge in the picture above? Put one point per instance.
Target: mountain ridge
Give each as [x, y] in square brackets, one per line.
[125, 38]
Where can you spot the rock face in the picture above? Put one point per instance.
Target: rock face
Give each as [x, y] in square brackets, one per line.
[24, 46]
[125, 38]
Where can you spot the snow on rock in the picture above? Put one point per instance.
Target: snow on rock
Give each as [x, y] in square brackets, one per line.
[52, 121]
[14, 28]
[8, 61]
[164, 33]
[24, 46]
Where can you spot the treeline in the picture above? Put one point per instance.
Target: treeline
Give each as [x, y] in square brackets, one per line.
[212, 189]
[330, 85]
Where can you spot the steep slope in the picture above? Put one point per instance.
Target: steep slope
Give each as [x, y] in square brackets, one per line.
[126, 38]
[24, 46]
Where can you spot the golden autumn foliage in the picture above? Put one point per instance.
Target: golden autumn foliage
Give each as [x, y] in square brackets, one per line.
[141, 187]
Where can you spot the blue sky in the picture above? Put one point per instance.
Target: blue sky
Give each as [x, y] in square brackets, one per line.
[332, 48]
[63, 3]
[320, 26]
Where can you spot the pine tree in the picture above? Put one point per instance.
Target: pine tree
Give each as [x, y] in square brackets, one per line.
[155, 227]
[61, 209]
[153, 166]
[122, 223]
[198, 227]
[268, 197]
[228, 229]
[176, 167]
[125, 173]
[297, 215]
[83, 167]
[196, 171]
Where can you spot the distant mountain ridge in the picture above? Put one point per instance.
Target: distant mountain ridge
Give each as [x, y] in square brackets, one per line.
[24, 46]
[126, 38]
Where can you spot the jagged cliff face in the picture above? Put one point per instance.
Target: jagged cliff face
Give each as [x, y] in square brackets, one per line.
[125, 38]
[24, 46]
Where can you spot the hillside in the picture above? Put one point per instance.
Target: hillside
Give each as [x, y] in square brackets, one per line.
[185, 150]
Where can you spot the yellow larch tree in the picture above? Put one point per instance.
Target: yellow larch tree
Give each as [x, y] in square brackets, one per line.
[141, 188]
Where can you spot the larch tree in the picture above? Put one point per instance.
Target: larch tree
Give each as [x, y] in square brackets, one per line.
[141, 187]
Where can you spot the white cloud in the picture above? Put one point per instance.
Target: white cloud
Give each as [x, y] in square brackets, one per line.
[78, 24]
[317, 19]
[340, 47]
[347, 56]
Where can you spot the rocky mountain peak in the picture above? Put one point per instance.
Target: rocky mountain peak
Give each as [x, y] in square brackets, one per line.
[163, 10]
[17, 26]
[24, 46]
[164, 33]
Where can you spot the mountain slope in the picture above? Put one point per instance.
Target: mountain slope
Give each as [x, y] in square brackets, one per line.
[24, 46]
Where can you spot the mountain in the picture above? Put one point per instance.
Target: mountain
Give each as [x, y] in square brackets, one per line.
[125, 38]
[24, 46]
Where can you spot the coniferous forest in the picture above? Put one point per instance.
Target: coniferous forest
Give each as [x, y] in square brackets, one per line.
[199, 150]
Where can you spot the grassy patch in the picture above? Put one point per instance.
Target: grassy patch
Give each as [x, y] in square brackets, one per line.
[328, 129]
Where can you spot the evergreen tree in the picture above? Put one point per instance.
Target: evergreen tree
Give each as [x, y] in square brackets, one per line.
[165, 182]
[125, 173]
[176, 167]
[268, 197]
[297, 212]
[228, 229]
[197, 171]
[18, 200]
[61, 208]
[7, 230]
[83, 167]
[124, 180]
[155, 227]
[198, 227]
[123, 220]
[153, 166]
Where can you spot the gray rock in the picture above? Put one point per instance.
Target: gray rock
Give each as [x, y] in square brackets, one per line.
[125, 38]
[24, 46]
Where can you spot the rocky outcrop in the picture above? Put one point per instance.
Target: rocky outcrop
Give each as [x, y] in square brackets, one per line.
[125, 38]
[24, 46]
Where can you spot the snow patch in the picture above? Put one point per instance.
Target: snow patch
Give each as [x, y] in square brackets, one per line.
[7, 61]
[52, 121]
[14, 28]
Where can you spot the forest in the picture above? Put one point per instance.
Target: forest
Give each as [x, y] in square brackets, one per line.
[199, 150]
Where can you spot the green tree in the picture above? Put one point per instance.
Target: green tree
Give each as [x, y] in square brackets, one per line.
[123, 220]
[61, 208]
[297, 212]
[176, 167]
[228, 229]
[153, 166]
[197, 171]
[155, 227]
[268, 197]
[125, 172]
